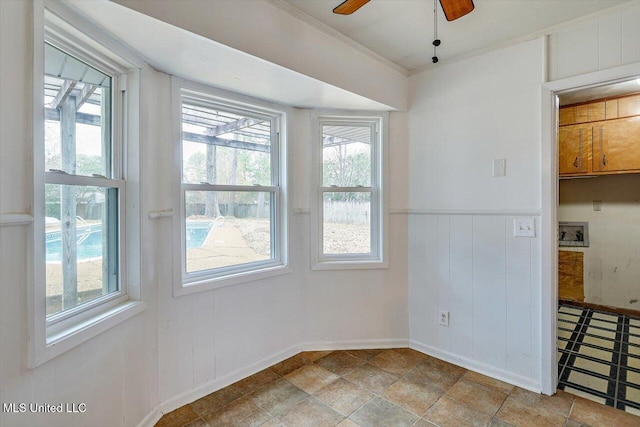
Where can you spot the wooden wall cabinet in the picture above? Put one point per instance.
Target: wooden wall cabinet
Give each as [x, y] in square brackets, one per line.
[616, 145]
[601, 137]
[574, 146]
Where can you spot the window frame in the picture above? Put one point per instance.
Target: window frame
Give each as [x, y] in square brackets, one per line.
[187, 283]
[49, 336]
[377, 257]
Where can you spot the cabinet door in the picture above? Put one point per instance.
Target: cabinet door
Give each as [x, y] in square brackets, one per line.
[616, 145]
[574, 147]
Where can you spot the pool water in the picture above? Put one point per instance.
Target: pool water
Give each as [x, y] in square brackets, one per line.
[197, 232]
[90, 240]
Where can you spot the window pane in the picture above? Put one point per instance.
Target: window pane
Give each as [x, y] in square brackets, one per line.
[224, 148]
[346, 156]
[81, 244]
[226, 228]
[77, 101]
[346, 227]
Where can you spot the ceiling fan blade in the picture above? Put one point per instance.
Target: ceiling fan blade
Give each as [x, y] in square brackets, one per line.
[349, 6]
[454, 9]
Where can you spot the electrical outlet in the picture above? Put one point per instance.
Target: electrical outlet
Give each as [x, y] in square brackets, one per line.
[444, 318]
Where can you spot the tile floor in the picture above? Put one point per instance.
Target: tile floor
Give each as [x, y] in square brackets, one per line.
[394, 387]
[599, 356]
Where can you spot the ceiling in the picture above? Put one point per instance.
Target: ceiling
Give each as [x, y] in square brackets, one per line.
[402, 30]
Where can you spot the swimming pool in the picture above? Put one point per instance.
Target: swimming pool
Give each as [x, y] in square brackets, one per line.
[90, 240]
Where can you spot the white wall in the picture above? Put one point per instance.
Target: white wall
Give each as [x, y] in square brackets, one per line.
[463, 257]
[180, 349]
[612, 260]
[607, 42]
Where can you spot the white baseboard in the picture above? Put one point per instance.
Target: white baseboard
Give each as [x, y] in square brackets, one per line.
[355, 344]
[189, 396]
[482, 368]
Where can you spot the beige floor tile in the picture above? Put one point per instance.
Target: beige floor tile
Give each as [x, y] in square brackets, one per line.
[365, 354]
[216, 400]
[476, 396]
[371, 378]
[592, 366]
[396, 363]
[520, 414]
[411, 352]
[289, 365]
[449, 413]
[423, 423]
[241, 412]
[311, 378]
[278, 397]
[198, 423]
[594, 414]
[348, 423]
[634, 322]
[596, 353]
[340, 362]
[574, 423]
[560, 403]
[412, 397]
[563, 344]
[582, 394]
[178, 418]
[343, 396]
[274, 422]
[589, 381]
[312, 356]
[497, 422]
[256, 381]
[434, 372]
[311, 413]
[380, 412]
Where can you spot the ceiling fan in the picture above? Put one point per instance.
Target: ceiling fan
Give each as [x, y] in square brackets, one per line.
[453, 9]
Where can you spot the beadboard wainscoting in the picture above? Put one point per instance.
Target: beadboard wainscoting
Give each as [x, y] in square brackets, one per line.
[472, 266]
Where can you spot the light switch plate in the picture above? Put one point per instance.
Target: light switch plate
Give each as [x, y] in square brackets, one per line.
[524, 227]
[499, 167]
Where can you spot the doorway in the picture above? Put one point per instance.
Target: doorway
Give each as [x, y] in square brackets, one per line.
[598, 262]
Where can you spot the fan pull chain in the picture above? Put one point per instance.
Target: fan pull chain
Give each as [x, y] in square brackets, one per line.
[436, 41]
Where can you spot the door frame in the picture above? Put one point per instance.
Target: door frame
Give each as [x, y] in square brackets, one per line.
[550, 194]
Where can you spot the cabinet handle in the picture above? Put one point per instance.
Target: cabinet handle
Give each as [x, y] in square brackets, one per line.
[575, 162]
[604, 160]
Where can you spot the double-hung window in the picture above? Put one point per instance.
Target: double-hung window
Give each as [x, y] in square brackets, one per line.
[84, 187]
[231, 224]
[348, 214]
[80, 284]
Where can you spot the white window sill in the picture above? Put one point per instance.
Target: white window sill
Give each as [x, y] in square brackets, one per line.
[349, 265]
[230, 280]
[72, 336]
